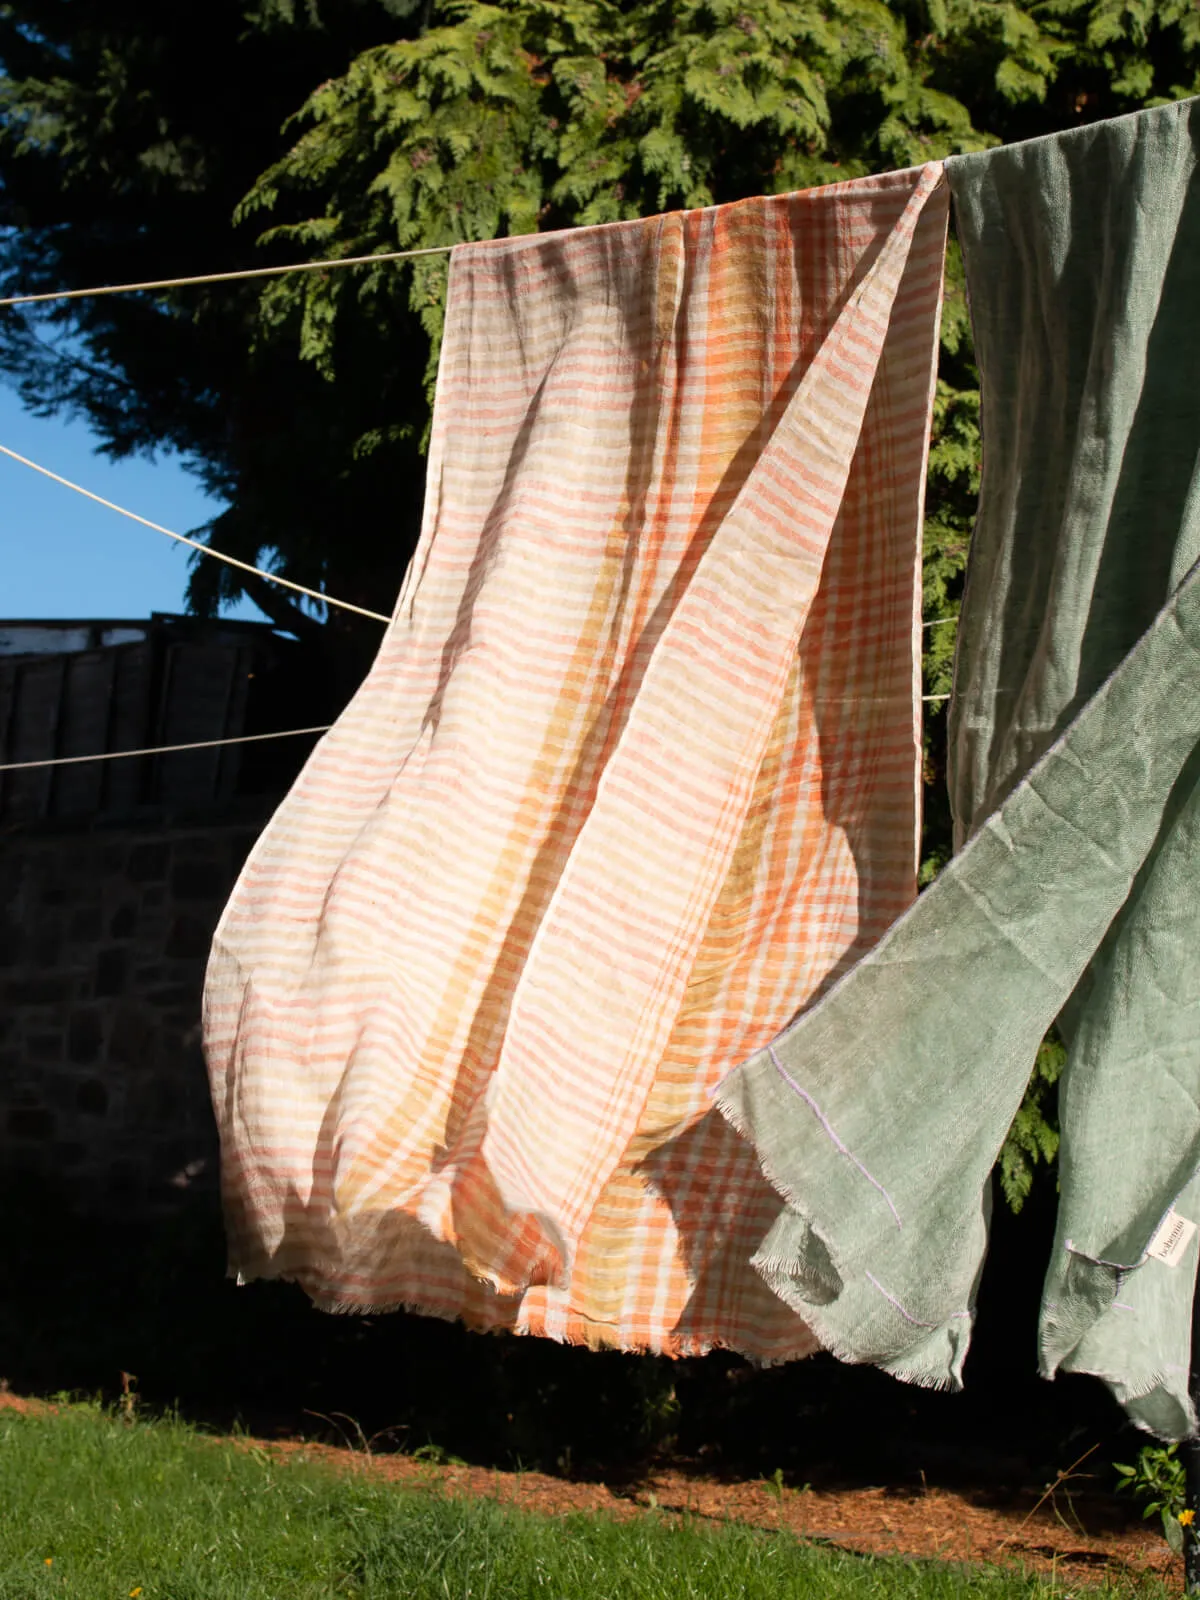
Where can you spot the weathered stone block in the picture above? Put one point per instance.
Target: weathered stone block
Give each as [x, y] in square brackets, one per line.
[85, 1035]
[56, 1090]
[197, 847]
[31, 1122]
[112, 857]
[30, 1162]
[123, 924]
[126, 1179]
[51, 989]
[86, 925]
[195, 880]
[156, 1102]
[111, 968]
[186, 996]
[189, 937]
[148, 863]
[44, 945]
[92, 1097]
[130, 1040]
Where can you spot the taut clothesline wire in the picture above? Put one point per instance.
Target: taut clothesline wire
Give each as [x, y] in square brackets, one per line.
[221, 277]
[194, 544]
[200, 744]
[245, 566]
[230, 277]
[161, 749]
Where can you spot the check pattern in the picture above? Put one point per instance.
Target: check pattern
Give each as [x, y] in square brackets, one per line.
[634, 776]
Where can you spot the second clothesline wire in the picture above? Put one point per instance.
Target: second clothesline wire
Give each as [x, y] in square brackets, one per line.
[195, 544]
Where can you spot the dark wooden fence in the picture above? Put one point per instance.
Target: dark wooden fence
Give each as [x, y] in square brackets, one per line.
[180, 684]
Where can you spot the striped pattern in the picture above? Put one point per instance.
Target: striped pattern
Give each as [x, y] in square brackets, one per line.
[634, 775]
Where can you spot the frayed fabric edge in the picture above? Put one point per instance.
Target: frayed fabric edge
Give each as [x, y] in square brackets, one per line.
[1128, 1395]
[676, 1350]
[781, 1279]
[777, 1278]
[1125, 1391]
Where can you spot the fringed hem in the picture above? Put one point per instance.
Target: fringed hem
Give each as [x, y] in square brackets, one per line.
[778, 1278]
[782, 1276]
[1130, 1395]
[604, 1336]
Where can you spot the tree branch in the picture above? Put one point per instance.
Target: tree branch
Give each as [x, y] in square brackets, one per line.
[282, 612]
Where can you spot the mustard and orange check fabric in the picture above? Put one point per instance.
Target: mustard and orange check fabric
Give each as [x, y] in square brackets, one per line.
[634, 775]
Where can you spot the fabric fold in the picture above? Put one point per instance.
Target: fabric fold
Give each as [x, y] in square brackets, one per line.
[886, 1169]
[639, 756]
[1075, 751]
[597, 999]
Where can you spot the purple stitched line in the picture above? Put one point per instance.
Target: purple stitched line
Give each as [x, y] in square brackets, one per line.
[916, 1321]
[838, 1145]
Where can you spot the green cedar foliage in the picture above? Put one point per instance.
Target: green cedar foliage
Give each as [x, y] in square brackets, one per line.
[504, 119]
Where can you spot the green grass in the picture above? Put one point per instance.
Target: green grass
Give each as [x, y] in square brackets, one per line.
[152, 1505]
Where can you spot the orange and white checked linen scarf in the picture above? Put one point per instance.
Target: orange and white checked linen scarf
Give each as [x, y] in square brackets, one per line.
[634, 774]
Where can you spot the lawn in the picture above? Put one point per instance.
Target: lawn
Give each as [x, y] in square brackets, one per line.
[98, 1508]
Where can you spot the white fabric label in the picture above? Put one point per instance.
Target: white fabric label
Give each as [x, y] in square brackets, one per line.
[1172, 1239]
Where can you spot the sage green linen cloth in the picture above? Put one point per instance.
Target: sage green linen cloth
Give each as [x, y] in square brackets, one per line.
[1075, 754]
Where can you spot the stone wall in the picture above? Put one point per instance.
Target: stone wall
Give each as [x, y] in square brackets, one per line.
[104, 935]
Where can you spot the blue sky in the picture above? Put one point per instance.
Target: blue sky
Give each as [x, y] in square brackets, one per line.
[62, 555]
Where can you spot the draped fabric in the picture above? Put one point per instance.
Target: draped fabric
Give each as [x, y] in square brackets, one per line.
[1075, 781]
[634, 774]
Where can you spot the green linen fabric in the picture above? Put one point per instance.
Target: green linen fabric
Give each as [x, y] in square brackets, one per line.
[1075, 754]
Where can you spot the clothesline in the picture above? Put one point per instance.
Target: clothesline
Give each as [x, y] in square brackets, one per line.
[194, 544]
[222, 277]
[246, 566]
[200, 744]
[229, 277]
[160, 750]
